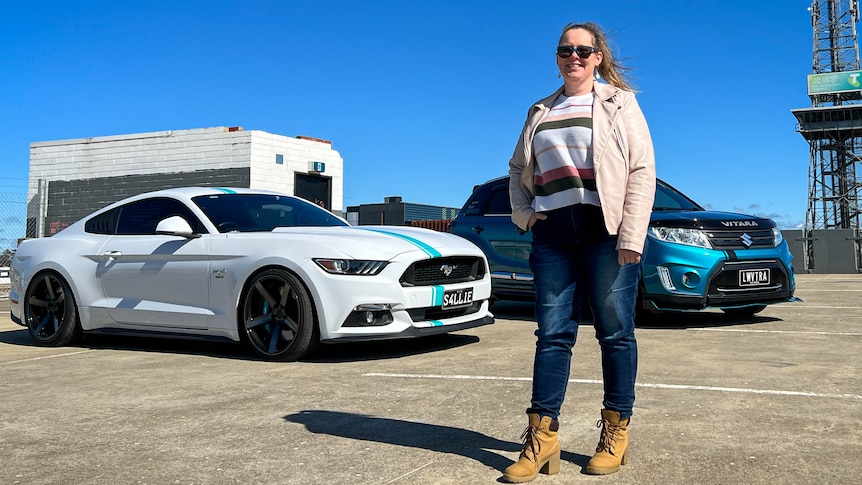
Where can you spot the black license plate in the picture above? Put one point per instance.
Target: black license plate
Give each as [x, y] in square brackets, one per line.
[456, 298]
[754, 277]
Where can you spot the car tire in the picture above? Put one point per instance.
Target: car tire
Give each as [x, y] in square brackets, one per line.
[50, 312]
[747, 311]
[276, 316]
[643, 315]
[646, 317]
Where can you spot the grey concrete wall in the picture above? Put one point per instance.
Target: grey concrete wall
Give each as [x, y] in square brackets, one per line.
[834, 251]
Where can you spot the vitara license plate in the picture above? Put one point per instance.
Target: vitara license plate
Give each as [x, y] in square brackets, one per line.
[456, 298]
[754, 277]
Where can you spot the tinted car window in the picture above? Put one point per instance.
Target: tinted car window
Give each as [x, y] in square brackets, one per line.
[473, 207]
[262, 212]
[488, 200]
[498, 202]
[668, 198]
[141, 217]
[103, 223]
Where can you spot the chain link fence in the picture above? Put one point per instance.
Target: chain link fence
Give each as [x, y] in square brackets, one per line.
[13, 226]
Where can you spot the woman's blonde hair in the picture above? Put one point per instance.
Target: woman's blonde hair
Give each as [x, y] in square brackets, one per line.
[610, 69]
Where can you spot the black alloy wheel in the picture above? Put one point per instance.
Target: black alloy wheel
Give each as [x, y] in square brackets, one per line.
[50, 312]
[277, 317]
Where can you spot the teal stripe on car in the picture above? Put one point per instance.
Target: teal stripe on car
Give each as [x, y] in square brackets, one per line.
[435, 323]
[226, 191]
[419, 244]
[436, 295]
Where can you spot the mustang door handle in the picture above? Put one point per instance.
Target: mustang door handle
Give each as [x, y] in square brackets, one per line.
[478, 229]
[112, 254]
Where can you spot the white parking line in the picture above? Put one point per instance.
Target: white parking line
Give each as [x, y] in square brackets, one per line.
[409, 473]
[599, 382]
[795, 332]
[797, 307]
[46, 357]
[821, 289]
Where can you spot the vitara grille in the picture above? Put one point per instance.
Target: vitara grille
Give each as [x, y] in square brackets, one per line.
[441, 271]
[741, 238]
[724, 286]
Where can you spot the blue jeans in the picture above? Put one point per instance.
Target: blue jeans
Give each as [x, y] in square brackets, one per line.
[573, 256]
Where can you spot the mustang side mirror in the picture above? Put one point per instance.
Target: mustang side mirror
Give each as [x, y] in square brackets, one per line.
[176, 226]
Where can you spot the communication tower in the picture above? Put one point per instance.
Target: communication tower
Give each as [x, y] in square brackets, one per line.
[833, 128]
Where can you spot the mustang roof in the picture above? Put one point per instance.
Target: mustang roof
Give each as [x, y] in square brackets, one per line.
[198, 191]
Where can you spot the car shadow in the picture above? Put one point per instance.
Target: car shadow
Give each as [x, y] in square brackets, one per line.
[95, 341]
[182, 346]
[514, 310]
[525, 311]
[705, 319]
[388, 349]
[17, 337]
[325, 353]
[432, 437]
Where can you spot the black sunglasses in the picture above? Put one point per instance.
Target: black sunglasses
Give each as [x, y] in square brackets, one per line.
[584, 51]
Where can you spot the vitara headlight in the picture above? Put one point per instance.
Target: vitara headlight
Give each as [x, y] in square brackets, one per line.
[778, 238]
[691, 237]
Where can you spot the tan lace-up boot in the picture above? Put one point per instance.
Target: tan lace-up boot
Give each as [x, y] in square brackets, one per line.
[541, 451]
[613, 444]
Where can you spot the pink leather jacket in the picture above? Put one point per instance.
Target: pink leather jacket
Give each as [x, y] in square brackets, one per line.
[623, 160]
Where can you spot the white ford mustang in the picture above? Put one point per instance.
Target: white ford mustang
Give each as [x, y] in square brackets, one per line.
[269, 269]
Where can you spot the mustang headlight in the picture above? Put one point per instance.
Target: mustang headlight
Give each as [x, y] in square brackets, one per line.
[778, 237]
[351, 266]
[691, 237]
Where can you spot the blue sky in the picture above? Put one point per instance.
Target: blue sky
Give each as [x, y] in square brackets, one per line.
[421, 99]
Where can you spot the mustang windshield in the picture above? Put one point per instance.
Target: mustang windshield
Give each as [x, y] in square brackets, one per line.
[262, 212]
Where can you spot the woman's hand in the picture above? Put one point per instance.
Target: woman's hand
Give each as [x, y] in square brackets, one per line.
[626, 256]
[537, 216]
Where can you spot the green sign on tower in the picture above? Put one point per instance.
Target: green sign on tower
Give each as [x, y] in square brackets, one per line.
[834, 82]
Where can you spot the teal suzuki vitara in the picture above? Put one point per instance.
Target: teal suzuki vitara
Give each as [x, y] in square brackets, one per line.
[694, 258]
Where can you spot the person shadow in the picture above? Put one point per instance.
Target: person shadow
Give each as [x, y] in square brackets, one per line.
[433, 437]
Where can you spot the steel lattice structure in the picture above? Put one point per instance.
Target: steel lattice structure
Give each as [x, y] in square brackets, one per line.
[835, 47]
[833, 125]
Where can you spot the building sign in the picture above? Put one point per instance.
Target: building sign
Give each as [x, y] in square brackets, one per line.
[834, 82]
[55, 227]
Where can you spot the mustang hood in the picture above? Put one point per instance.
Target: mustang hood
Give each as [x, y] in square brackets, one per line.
[384, 241]
[709, 220]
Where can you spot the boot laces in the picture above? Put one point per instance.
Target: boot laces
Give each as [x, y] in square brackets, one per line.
[608, 438]
[531, 443]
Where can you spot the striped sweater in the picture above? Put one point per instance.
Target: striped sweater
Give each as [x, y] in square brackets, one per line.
[563, 151]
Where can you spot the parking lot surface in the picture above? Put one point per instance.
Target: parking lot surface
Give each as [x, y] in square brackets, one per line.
[772, 399]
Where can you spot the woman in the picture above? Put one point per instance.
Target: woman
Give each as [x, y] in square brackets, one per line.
[582, 178]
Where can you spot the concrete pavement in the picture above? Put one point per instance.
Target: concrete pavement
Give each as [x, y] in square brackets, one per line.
[772, 399]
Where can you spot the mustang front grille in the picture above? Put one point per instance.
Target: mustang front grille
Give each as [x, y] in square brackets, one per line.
[441, 271]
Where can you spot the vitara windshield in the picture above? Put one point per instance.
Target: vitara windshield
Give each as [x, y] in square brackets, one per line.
[668, 198]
